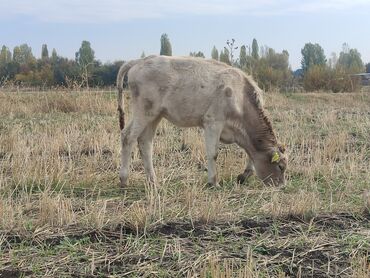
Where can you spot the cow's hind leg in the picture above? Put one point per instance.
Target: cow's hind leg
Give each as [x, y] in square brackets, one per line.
[145, 142]
[212, 132]
[249, 171]
[129, 136]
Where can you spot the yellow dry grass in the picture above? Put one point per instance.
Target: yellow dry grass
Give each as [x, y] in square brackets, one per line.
[59, 161]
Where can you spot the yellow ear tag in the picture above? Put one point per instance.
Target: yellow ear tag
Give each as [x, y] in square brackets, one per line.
[275, 157]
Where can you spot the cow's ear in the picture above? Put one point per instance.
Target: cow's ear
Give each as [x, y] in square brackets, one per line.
[281, 148]
[228, 92]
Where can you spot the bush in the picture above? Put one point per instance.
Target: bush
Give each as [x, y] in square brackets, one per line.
[317, 78]
[320, 77]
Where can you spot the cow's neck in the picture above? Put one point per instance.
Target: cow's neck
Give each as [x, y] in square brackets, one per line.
[259, 135]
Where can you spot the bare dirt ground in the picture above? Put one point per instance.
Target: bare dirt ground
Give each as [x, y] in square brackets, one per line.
[62, 213]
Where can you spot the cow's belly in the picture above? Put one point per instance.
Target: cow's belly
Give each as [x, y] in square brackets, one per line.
[180, 117]
[186, 108]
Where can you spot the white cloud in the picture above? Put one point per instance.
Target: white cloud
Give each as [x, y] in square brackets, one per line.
[115, 10]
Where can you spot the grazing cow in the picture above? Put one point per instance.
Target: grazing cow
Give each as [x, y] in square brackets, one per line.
[195, 92]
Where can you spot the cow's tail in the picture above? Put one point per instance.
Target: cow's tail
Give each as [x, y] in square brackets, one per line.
[120, 79]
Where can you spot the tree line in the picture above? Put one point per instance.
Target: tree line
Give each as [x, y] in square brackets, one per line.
[22, 68]
[272, 71]
[270, 68]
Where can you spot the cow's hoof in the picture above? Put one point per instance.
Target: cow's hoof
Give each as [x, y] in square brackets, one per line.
[213, 185]
[122, 185]
[241, 178]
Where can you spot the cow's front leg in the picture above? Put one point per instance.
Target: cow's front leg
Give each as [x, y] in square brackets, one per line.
[212, 132]
[249, 171]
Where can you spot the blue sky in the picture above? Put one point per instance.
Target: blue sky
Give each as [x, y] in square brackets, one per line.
[122, 30]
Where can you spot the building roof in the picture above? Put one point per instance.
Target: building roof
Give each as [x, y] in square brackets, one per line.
[366, 74]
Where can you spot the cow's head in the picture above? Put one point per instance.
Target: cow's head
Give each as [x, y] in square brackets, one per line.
[270, 165]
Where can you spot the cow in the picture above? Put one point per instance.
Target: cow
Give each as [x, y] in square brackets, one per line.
[197, 92]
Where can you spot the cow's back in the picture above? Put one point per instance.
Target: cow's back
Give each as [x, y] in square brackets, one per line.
[183, 88]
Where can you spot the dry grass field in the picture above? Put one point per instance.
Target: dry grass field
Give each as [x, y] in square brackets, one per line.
[62, 213]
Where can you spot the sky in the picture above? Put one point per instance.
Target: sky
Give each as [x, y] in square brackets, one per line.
[122, 30]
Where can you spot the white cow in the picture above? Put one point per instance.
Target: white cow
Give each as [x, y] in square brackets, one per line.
[195, 92]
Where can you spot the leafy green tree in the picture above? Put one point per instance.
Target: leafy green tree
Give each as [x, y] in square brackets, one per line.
[46, 75]
[214, 53]
[278, 61]
[17, 55]
[255, 49]
[40, 77]
[350, 60]
[5, 55]
[272, 69]
[243, 57]
[44, 53]
[29, 70]
[23, 60]
[312, 54]
[5, 61]
[106, 74]
[64, 70]
[85, 55]
[23, 54]
[26, 54]
[8, 68]
[142, 55]
[85, 59]
[166, 48]
[197, 54]
[225, 56]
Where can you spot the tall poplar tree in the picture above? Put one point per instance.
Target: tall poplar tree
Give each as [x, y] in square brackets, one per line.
[225, 56]
[5, 55]
[44, 52]
[214, 53]
[166, 48]
[54, 55]
[255, 50]
[243, 57]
